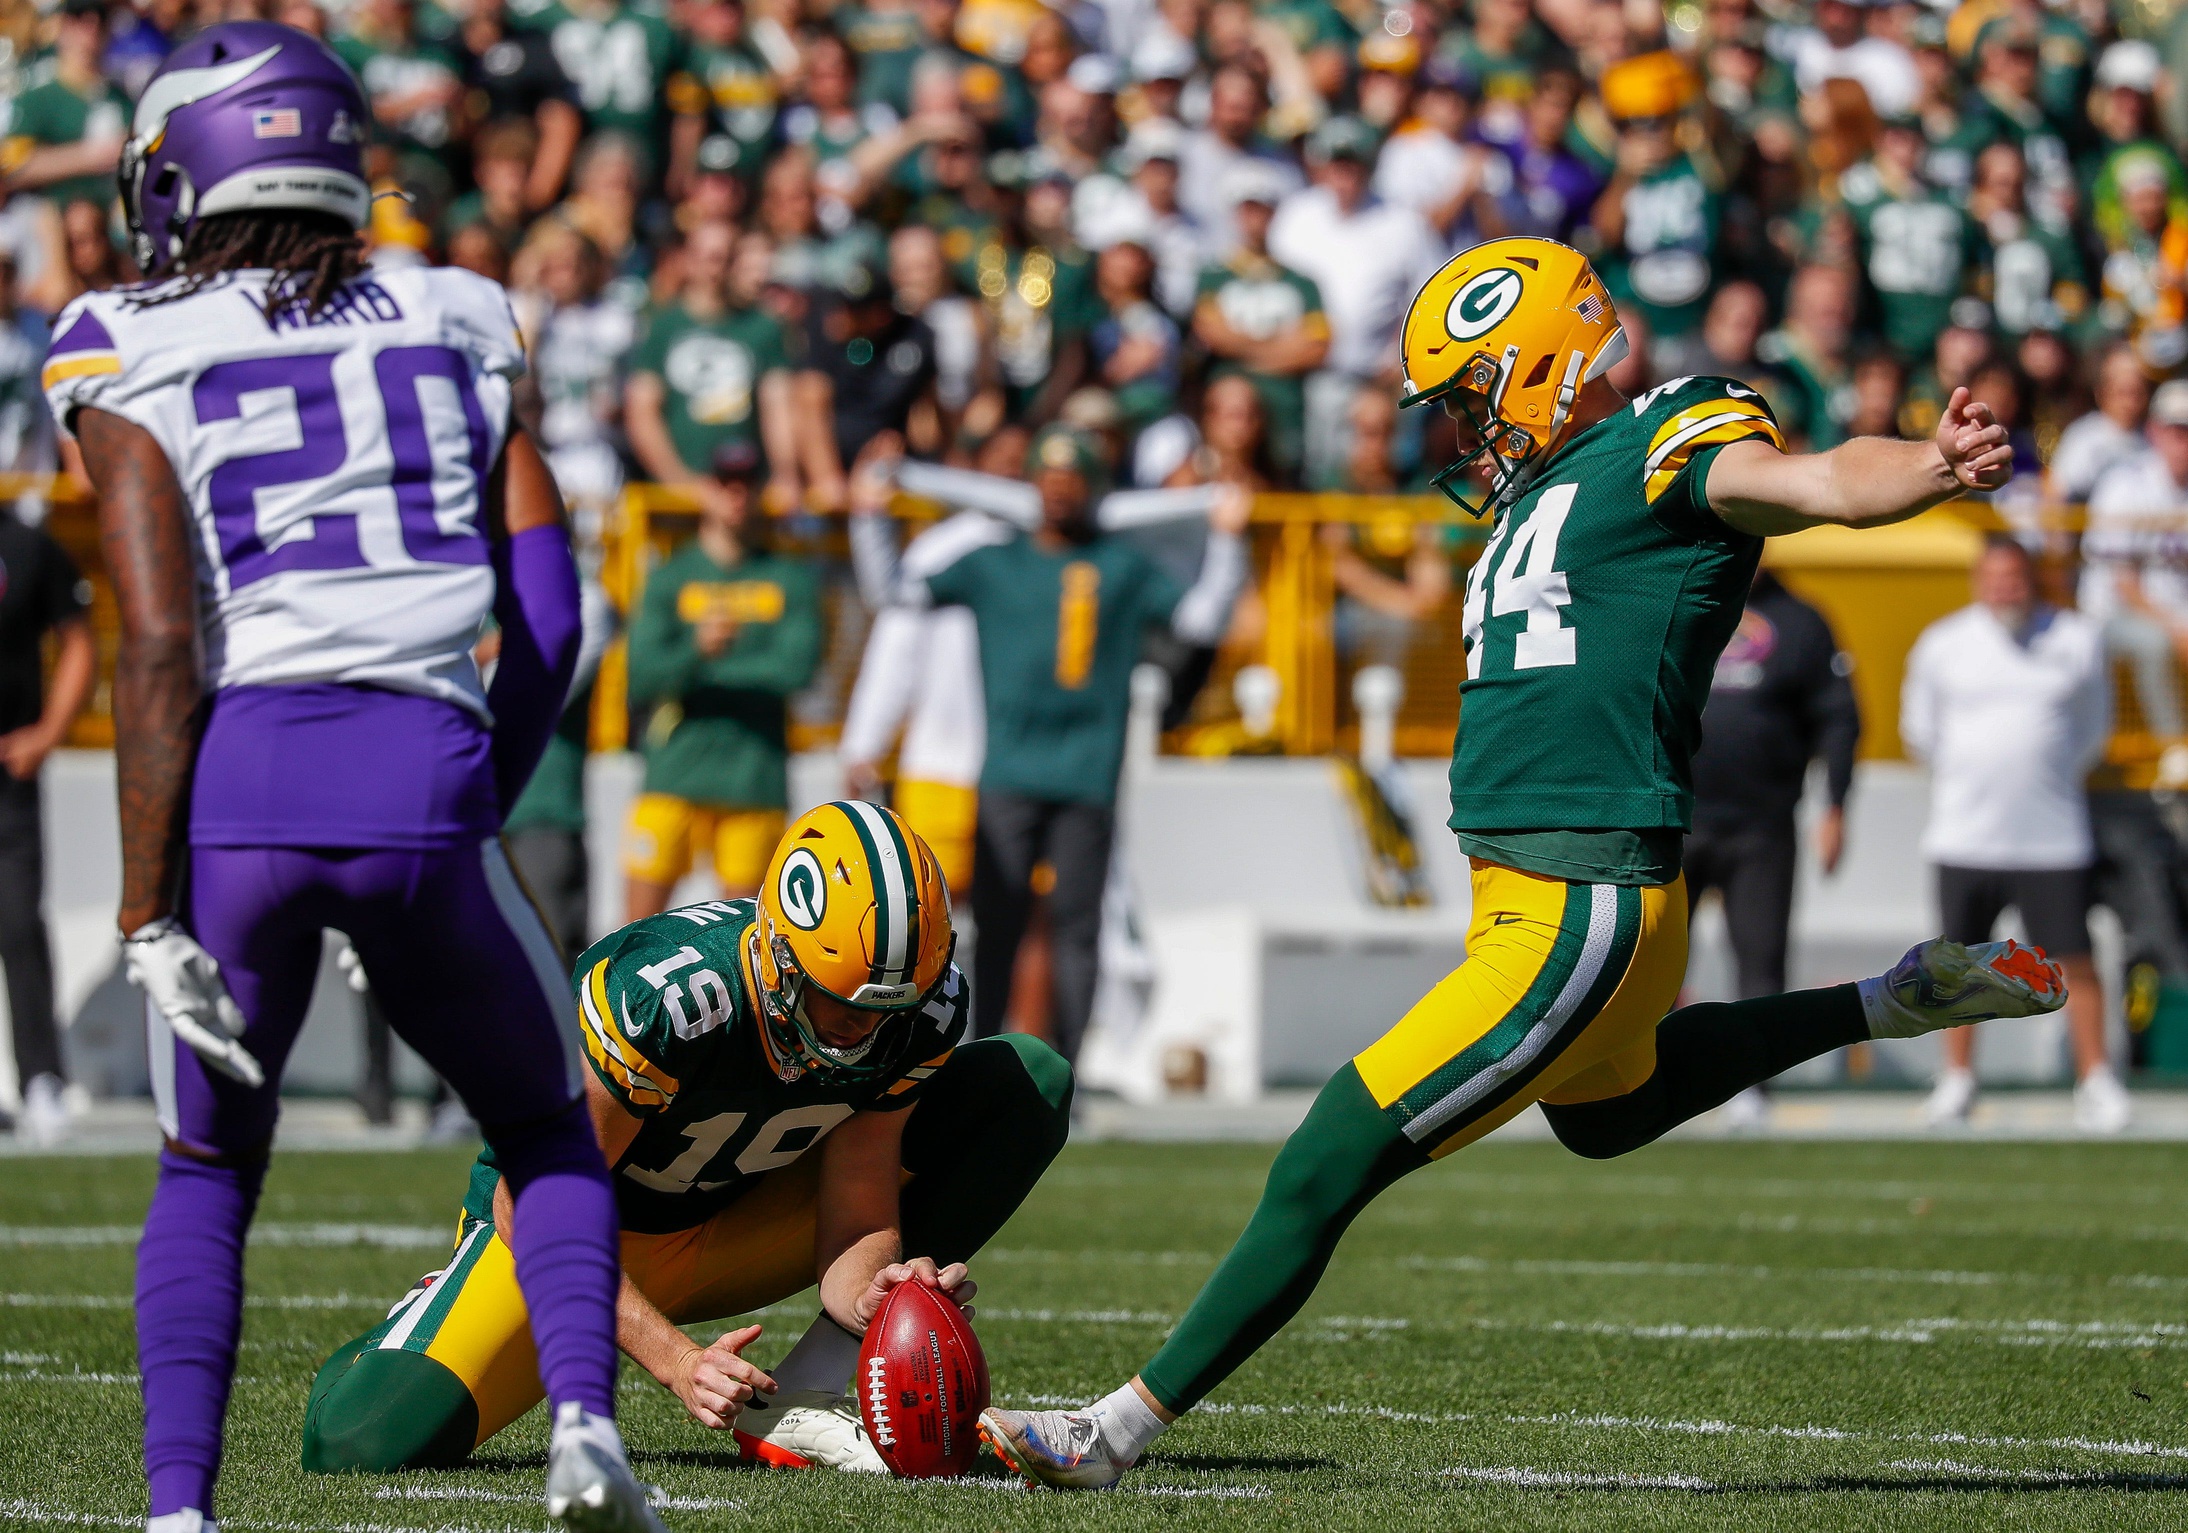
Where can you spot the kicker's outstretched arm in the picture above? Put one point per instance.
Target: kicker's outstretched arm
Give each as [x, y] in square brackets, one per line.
[1867, 482]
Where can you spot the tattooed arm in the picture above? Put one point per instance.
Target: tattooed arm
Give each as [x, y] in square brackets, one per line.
[144, 529]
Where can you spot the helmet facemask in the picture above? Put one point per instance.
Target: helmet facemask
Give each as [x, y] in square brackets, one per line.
[798, 1042]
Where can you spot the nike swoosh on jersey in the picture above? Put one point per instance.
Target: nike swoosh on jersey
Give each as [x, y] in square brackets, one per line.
[623, 1004]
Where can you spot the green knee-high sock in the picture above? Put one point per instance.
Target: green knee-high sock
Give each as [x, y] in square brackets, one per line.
[985, 1128]
[1334, 1164]
[1706, 1055]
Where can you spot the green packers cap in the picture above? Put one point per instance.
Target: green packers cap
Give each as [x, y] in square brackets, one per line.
[1343, 138]
[1062, 446]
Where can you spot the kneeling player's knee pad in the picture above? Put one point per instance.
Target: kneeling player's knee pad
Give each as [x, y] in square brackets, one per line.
[377, 1410]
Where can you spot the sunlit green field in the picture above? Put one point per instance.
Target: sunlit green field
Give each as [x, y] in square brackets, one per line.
[1703, 1335]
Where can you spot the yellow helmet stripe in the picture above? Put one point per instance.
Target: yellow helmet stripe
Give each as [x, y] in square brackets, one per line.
[896, 902]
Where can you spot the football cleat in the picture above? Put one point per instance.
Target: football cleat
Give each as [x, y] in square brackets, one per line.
[188, 1520]
[590, 1487]
[2101, 1103]
[1951, 1101]
[1941, 984]
[1062, 1450]
[806, 1429]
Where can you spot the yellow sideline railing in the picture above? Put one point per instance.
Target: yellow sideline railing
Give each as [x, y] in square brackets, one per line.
[1878, 587]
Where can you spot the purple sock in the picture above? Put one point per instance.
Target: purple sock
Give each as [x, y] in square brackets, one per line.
[189, 1312]
[564, 1240]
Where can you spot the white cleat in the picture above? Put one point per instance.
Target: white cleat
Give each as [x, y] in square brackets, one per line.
[44, 1121]
[807, 1429]
[1942, 984]
[2101, 1103]
[590, 1487]
[1952, 1100]
[1059, 1449]
[188, 1520]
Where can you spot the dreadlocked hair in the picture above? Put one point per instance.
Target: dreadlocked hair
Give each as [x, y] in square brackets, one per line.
[311, 255]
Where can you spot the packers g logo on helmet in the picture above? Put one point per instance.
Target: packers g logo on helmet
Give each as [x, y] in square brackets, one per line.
[854, 907]
[802, 890]
[1506, 335]
[1478, 307]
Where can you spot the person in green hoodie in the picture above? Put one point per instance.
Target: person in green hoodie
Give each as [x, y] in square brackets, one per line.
[726, 631]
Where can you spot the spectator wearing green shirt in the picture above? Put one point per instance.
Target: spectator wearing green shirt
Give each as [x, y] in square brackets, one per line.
[63, 136]
[1060, 612]
[2033, 275]
[414, 85]
[725, 632]
[1811, 350]
[710, 382]
[1656, 221]
[1261, 319]
[621, 59]
[1917, 243]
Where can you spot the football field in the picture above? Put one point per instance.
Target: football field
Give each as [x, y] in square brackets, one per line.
[1703, 1335]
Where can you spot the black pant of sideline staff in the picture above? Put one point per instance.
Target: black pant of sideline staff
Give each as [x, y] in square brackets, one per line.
[1015, 834]
[1751, 868]
[24, 947]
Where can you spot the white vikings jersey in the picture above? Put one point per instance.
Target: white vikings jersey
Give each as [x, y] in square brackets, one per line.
[335, 467]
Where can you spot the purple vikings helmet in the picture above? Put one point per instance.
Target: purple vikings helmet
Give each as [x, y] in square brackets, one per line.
[245, 115]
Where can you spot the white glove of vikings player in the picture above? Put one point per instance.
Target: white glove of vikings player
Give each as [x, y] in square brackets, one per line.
[184, 982]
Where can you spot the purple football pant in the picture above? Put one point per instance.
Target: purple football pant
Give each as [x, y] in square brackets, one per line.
[470, 979]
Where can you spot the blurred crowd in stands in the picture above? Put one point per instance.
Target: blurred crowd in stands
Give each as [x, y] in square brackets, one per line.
[1192, 225]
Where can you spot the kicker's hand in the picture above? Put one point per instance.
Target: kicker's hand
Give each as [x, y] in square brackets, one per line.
[951, 1282]
[183, 981]
[714, 1382]
[1973, 444]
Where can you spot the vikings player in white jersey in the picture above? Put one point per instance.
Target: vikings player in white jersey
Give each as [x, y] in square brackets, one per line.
[312, 491]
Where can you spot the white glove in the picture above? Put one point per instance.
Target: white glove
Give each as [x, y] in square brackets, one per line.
[353, 968]
[184, 982]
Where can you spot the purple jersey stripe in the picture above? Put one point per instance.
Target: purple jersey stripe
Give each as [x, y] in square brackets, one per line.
[87, 334]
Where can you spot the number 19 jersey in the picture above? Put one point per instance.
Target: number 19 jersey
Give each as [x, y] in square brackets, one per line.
[1594, 619]
[335, 466]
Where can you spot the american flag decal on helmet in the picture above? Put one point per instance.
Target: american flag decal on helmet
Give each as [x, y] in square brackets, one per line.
[1590, 308]
[281, 122]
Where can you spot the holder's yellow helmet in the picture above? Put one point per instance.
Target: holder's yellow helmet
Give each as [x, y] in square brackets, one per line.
[853, 905]
[1505, 335]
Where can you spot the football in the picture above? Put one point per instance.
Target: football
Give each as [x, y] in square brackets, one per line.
[922, 1384]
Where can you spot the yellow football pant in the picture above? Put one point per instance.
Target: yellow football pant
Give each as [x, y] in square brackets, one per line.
[945, 815]
[666, 833]
[1557, 1001]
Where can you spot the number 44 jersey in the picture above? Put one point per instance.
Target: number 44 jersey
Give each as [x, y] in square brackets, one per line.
[335, 466]
[1594, 619]
[670, 1016]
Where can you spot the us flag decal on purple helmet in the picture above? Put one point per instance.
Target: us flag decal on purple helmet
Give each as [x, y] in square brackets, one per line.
[282, 122]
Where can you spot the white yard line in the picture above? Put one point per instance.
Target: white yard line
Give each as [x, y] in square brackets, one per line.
[251, 1301]
[2110, 1448]
[530, 1498]
[25, 1510]
[1546, 1479]
[1921, 1276]
[392, 1237]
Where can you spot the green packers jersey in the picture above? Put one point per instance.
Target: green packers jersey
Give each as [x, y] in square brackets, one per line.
[671, 1023]
[1593, 622]
[1917, 244]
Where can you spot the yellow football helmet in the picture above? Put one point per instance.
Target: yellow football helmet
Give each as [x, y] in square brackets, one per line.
[853, 905]
[1505, 335]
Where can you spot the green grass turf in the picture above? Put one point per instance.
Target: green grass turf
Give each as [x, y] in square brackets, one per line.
[1735, 1335]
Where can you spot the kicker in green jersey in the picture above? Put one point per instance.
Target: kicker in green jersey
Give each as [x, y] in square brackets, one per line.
[1593, 622]
[669, 1016]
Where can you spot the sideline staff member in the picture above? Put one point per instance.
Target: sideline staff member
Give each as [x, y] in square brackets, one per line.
[1060, 613]
[40, 590]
